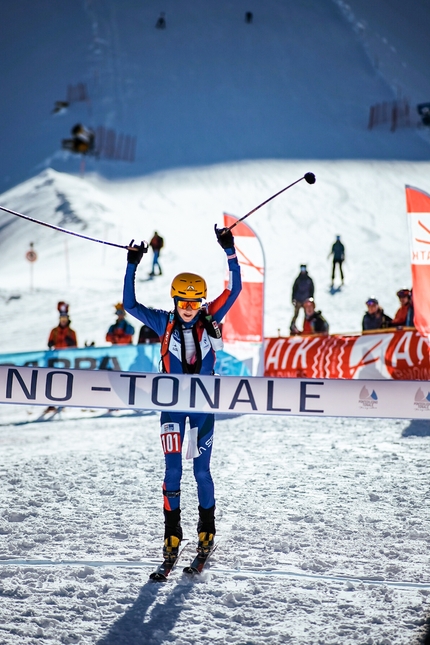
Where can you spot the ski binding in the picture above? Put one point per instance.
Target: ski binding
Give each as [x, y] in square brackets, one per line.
[199, 562]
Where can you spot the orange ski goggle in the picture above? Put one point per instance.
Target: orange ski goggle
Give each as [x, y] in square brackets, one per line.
[192, 304]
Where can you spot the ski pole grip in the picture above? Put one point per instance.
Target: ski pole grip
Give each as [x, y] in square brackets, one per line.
[309, 177]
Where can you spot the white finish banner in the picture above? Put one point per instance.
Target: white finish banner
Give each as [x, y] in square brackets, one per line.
[215, 394]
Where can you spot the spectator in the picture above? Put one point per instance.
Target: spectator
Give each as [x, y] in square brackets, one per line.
[156, 245]
[161, 22]
[147, 336]
[249, 17]
[338, 253]
[62, 336]
[405, 314]
[314, 322]
[303, 288]
[375, 318]
[83, 140]
[121, 332]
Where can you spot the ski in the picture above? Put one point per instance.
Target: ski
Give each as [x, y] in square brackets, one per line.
[166, 567]
[48, 414]
[199, 562]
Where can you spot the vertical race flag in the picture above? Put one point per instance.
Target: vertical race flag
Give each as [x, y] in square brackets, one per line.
[244, 321]
[418, 207]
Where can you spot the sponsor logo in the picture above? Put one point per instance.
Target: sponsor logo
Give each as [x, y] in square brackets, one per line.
[421, 401]
[367, 400]
[170, 427]
[208, 443]
[171, 438]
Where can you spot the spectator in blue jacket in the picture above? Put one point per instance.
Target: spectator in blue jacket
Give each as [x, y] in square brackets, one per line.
[121, 332]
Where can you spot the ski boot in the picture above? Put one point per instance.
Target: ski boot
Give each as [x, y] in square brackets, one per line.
[172, 534]
[206, 530]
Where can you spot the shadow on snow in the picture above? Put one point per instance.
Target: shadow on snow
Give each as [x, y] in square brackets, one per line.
[136, 628]
[417, 428]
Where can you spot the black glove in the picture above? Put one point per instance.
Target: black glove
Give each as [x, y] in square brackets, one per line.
[135, 253]
[225, 237]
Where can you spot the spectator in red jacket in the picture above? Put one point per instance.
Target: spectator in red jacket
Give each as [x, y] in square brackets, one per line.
[314, 322]
[405, 314]
[121, 332]
[62, 336]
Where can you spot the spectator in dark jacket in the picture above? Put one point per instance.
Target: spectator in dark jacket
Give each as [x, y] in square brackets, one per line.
[405, 314]
[147, 336]
[303, 288]
[338, 253]
[314, 323]
[375, 318]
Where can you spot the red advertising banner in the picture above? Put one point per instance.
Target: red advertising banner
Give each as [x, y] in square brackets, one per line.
[398, 355]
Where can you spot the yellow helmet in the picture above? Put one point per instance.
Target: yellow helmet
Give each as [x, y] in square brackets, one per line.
[189, 286]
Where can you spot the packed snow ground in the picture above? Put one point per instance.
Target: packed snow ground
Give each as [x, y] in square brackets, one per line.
[324, 528]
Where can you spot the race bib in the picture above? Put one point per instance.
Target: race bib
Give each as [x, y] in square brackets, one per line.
[171, 438]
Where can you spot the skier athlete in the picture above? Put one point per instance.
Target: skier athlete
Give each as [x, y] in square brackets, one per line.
[156, 245]
[189, 337]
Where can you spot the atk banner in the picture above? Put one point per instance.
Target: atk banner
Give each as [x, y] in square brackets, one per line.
[221, 394]
[396, 354]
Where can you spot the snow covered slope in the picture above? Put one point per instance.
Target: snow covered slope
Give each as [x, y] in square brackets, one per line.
[297, 83]
[364, 202]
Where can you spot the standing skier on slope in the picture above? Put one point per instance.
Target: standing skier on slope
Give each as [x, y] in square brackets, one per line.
[188, 337]
[338, 253]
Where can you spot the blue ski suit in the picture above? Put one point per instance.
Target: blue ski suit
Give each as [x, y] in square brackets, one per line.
[173, 423]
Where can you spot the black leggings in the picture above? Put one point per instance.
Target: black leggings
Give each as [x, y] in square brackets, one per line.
[339, 262]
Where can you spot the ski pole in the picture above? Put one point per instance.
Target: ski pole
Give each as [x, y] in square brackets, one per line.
[65, 230]
[309, 177]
